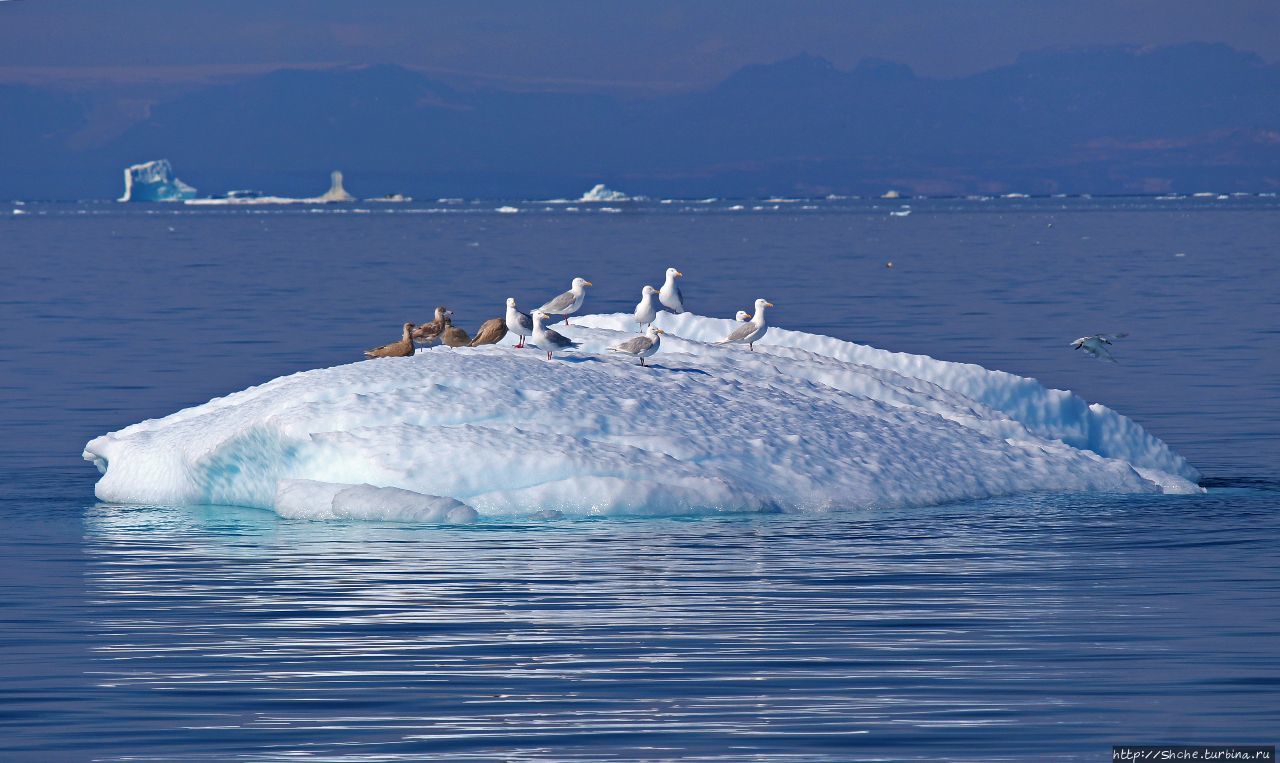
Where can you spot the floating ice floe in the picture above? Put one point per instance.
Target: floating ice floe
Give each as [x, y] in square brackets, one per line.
[806, 423]
[600, 192]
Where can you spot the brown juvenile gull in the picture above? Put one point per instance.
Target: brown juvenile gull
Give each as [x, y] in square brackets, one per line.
[641, 346]
[549, 339]
[454, 336]
[490, 332]
[429, 333]
[401, 349]
[750, 332]
[568, 303]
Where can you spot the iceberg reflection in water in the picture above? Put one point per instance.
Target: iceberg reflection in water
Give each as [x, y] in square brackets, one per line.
[1039, 625]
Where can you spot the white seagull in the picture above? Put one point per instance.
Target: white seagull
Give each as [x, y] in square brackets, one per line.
[1096, 345]
[670, 294]
[641, 346]
[750, 332]
[518, 323]
[647, 310]
[549, 339]
[568, 303]
[742, 316]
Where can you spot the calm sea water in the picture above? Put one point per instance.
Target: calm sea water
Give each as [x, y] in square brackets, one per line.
[1040, 627]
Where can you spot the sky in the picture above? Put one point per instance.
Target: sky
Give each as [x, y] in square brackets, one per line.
[586, 44]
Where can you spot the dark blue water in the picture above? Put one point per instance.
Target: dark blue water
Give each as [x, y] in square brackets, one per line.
[1041, 627]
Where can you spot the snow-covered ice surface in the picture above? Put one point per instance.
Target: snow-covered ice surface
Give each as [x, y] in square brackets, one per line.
[806, 423]
[154, 181]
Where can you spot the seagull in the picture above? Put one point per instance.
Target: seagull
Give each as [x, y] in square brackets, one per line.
[1096, 345]
[429, 333]
[647, 310]
[401, 349]
[549, 339]
[641, 346]
[518, 323]
[490, 332]
[742, 316]
[670, 294]
[568, 303]
[454, 336]
[750, 332]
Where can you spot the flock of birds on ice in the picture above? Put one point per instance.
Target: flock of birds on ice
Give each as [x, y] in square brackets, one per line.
[652, 301]
[533, 325]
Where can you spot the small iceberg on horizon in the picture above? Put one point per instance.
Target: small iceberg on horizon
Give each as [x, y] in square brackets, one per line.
[336, 194]
[154, 181]
[601, 192]
[806, 423]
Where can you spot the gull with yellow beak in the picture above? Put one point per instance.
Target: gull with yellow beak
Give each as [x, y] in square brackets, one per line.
[641, 346]
[750, 332]
[669, 295]
[547, 339]
[568, 303]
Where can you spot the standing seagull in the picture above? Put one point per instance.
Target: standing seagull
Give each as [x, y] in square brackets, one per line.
[750, 332]
[401, 349]
[1096, 345]
[568, 303]
[641, 346]
[647, 310]
[490, 332]
[670, 294]
[518, 323]
[549, 339]
[742, 316]
[429, 333]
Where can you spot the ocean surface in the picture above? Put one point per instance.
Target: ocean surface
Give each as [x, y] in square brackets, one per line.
[1029, 628]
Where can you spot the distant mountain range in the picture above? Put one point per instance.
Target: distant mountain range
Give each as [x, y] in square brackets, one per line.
[1100, 120]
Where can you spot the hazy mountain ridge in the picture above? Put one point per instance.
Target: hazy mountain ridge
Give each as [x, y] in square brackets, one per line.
[1103, 120]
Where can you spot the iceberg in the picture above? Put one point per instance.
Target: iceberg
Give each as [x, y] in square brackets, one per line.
[806, 423]
[154, 181]
[335, 195]
[601, 192]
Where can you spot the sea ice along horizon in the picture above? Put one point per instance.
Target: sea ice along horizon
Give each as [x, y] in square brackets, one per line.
[807, 423]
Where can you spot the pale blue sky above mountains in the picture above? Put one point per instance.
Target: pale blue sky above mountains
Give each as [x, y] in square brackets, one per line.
[586, 43]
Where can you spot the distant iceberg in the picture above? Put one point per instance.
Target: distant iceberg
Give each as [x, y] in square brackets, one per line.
[601, 192]
[154, 181]
[335, 195]
[806, 423]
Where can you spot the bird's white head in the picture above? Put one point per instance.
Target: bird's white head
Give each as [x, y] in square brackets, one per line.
[578, 283]
[673, 273]
[761, 304]
[511, 301]
[539, 316]
[654, 330]
[648, 291]
[742, 316]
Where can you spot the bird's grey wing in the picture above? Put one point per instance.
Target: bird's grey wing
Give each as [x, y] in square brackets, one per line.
[525, 321]
[558, 339]
[741, 332]
[635, 345]
[561, 302]
[680, 296]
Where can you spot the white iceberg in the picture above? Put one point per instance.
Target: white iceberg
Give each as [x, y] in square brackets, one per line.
[335, 195]
[154, 181]
[806, 423]
[601, 192]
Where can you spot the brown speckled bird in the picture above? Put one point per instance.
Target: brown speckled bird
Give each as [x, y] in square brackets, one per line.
[429, 333]
[401, 349]
[454, 336]
[490, 332]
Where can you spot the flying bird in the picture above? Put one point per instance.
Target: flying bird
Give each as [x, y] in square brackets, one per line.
[641, 346]
[669, 294]
[750, 332]
[647, 310]
[401, 349]
[1096, 345]
[518, 323]
[568, 303]
[549, 339]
